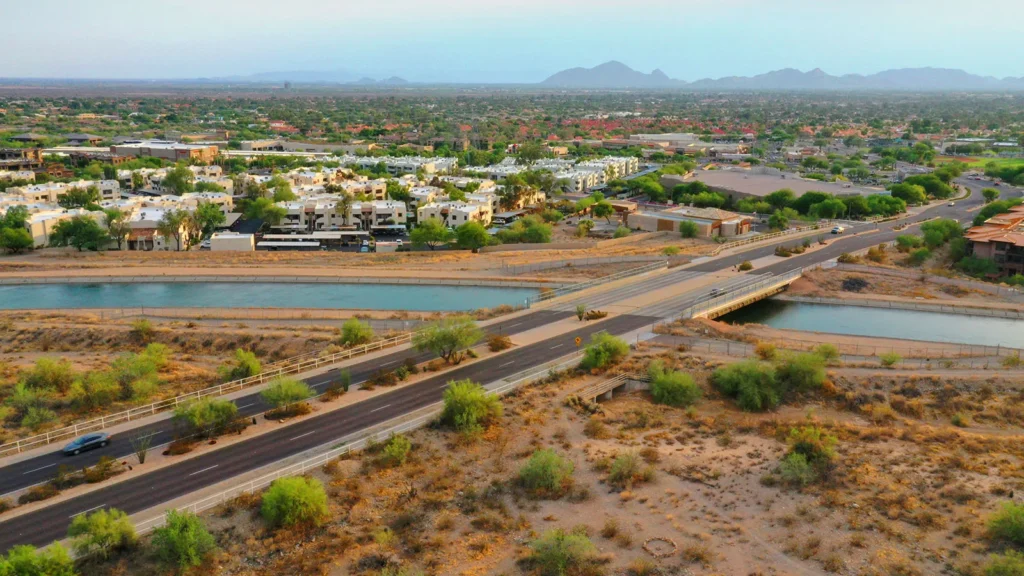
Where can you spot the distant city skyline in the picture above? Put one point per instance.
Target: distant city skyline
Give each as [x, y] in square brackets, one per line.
[504, 41]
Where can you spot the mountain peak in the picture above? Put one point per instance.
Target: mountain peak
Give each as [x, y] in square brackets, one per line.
[612, 74]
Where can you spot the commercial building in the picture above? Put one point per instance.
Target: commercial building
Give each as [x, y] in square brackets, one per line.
[232, 242]
[710, 222]
[167, 150]
[455, 214]
[761, 181]
[1001, 238]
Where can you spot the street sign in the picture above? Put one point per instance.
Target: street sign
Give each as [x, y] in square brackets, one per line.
[578, 340]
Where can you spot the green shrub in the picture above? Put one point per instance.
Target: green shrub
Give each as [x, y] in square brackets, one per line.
[294, 501]
[622, 232]
[102, 532]
[546, 474]
[628, 469]
[183, 542]
[1008, 523]
[396, 451]
[801, 372]
[919, 256]
[246, 365]
[1009, 564]
[603, 351]
[142, 330]
[907, 242]
[672, 387]
[26, 560]
[468, 407]
[50, 374]
[37, 417]
[94, 390]
[828, 352]
[206, 417]
[746, 266]
[752, 384]
[795, 470]
[670, 250]
[560, 553]
[890, 359]
[284, 391]
[355, 332]
[688, 229]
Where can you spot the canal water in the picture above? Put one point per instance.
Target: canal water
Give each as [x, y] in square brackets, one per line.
[424, 298]
[882, 323]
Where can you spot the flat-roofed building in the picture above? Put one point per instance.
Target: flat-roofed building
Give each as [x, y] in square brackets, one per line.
[455, 214]
[710, 222]
[232, 242]
[167, 150]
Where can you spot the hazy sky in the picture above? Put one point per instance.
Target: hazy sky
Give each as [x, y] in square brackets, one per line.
[504, 40]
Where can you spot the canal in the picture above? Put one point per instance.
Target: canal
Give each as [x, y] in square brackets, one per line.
[881, 323]
[422, 298]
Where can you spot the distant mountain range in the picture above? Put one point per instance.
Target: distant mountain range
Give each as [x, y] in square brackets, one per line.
[616, 75]
[315, 77]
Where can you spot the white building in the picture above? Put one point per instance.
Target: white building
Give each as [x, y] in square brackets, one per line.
[455, 214]
[232, 242]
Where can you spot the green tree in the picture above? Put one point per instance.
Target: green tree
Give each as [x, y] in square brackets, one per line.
[603, 350]
[672, 387]
[801, 372]
[82, 232]
[753, 384]
[26, 560]
[529, 153]
[79, 197]
[102, 532]
[546, 474]
[778, 221]
[50, 374]
[282, 189]
[284, 391]
[688, 229]
[208, 217]
[909, 193]
[603, 209]
[15, 240]
[828, 209]
[397, 192]
[118, 226]
[990, 194]
[183, 541]
[780, 198]
[430, 233]
[245, 365]
[355, 332]
[468, 407]
[294, 501]
[472, 235]
[206, 417]
[179, 180]
[448, 337]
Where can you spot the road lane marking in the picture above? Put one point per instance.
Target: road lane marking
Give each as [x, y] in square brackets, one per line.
[389, 363]
[84, 511]
[245, 406]
[514, 325]
[506, 364]
[555, 346]
[204, 470]
[381, 408]
[301, 436]
[38, 469]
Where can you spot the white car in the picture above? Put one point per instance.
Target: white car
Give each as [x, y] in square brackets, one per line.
[952, 203]
[838, 230]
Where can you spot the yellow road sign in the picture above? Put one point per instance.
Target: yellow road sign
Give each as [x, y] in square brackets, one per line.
[578, 340]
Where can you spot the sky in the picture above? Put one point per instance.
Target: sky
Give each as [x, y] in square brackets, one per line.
[514, 41]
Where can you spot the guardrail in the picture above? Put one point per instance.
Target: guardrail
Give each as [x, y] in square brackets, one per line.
[596, 389]
[755, 239]
[358, 441]
[294, 365]
[574, 262]
[550, 294]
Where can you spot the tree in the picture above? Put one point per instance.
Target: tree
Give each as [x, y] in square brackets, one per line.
[468, 407]
[672, 387]
[206, 417]
[355, 332]
[430, 233]
[294, 501]
[26, 560]
[688, 229]
[79, 197]
[583, 228]
[780, 198]
[829, 209]
[208, 216]
[990, 194]
[284, 391]
[932, 184]
[183, 541]
[102, 532]
[546, 474]
[265, 209]
[603, 351]
[909, 193]
[171, 226]
[179, 180]
[448, 338]
[472, 235]
[753, 384]
[15, 240]
[397, 192]
[118, 226]
[603, 209]
[778, 221]
[137, 181]
[511, 193]
[529, 153]
[282, 189]
[82, 232]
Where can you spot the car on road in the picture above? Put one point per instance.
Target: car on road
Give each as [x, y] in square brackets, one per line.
[87, 442]
[363, 249]
[951, 203]
[716, 292]
[838, 230]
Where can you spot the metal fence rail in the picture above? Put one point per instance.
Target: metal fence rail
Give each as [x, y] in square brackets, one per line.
[551, 294]
[358, 441]
[293, 365]
[576, 262]
[761, 238]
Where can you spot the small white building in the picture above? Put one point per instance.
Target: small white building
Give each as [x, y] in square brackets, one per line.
[232, 242]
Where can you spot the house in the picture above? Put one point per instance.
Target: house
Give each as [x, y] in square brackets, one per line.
[75, 139]
[710, 222]
[1001, 238]
[28, 137]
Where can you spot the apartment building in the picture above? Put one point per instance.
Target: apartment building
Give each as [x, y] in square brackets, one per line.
[1001, 238]
[398, 165]
[27, 175]
[455, 214]
[378, 213]
[21, 158]
[50, 192]
[41, 223]
[167, 150]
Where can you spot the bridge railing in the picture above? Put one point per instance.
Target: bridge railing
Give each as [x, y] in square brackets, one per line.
[551, 294]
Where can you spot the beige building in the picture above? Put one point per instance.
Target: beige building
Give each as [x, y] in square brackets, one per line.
[710, 222]
[166, 150]
[455, 214]
[232, 242]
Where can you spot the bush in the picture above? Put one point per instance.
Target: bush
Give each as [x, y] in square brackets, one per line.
[688, 229]
[26, 560]
[206, 417]
[627, 469]
[295, 501]
[746, 266]
[38, 493]
[753, 384]
[1008, 523]
[448, 338]
[603, 351]
[766, 351]
[50, 374]
[801, 372]
[498, 342]
[142, 330]
[396, 451]
[672, 388]
[246, 365]
[1009, 564]
[795, 470]
[622, 232]
[468, 407]
[546, 474]
[183, 541]
[101, 532]
[877, 254]
[558, 553]
[907, 242]
[355, 332]
[816, 445]
[919, 256]
[670, 250]
[37, 417]
[890, 359]
[284, 391]
[827, 352]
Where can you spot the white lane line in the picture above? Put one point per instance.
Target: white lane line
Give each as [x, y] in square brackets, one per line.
[204, 470]
[381, 408]
[301, 436]
[84, 511]
[245, 405]
[389, 363]
[38, 469]
[514, 325]
[506, 364]
[555, 346]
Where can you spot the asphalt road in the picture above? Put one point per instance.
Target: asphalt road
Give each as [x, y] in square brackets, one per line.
[42, 468]
[51, 523]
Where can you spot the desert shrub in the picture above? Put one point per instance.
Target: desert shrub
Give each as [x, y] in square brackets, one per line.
[26, 560]
[499, 342]
[38, 417]
[628, 469]
[546, 474]
[603, 351]
[355, 332]
[1008, 523]
[142, 330]
[847, 258]
[183, 541]
[890, 359]
[907, 242]
[38, 493]
[1009, 564]
[814, 444]
[1012, 361]
[796, 471]
[672, 387]
[245, 365]
[102, 532]
[468, 407]
[801, 372]
[752, 384]
[622, 232]
[396, 451]
[877, 254]
[827, 352]
[50, 374]
[746, 266]
[559, 553]
[766, 351]
[919, 256]
[205, 417]
[688, 229]
[285, 391]
[670, 250]
[294, 501]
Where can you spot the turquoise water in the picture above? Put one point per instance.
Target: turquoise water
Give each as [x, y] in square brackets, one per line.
[260, 295]
[881, 322]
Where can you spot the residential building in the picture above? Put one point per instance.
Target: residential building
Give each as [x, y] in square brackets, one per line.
[1001, 238]
[83, 139]
[21, 158]
[18, 175]
[40, 224]
[167, 150]
[378, 213]
[710, 222]
[232, 242]
[455, 214]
